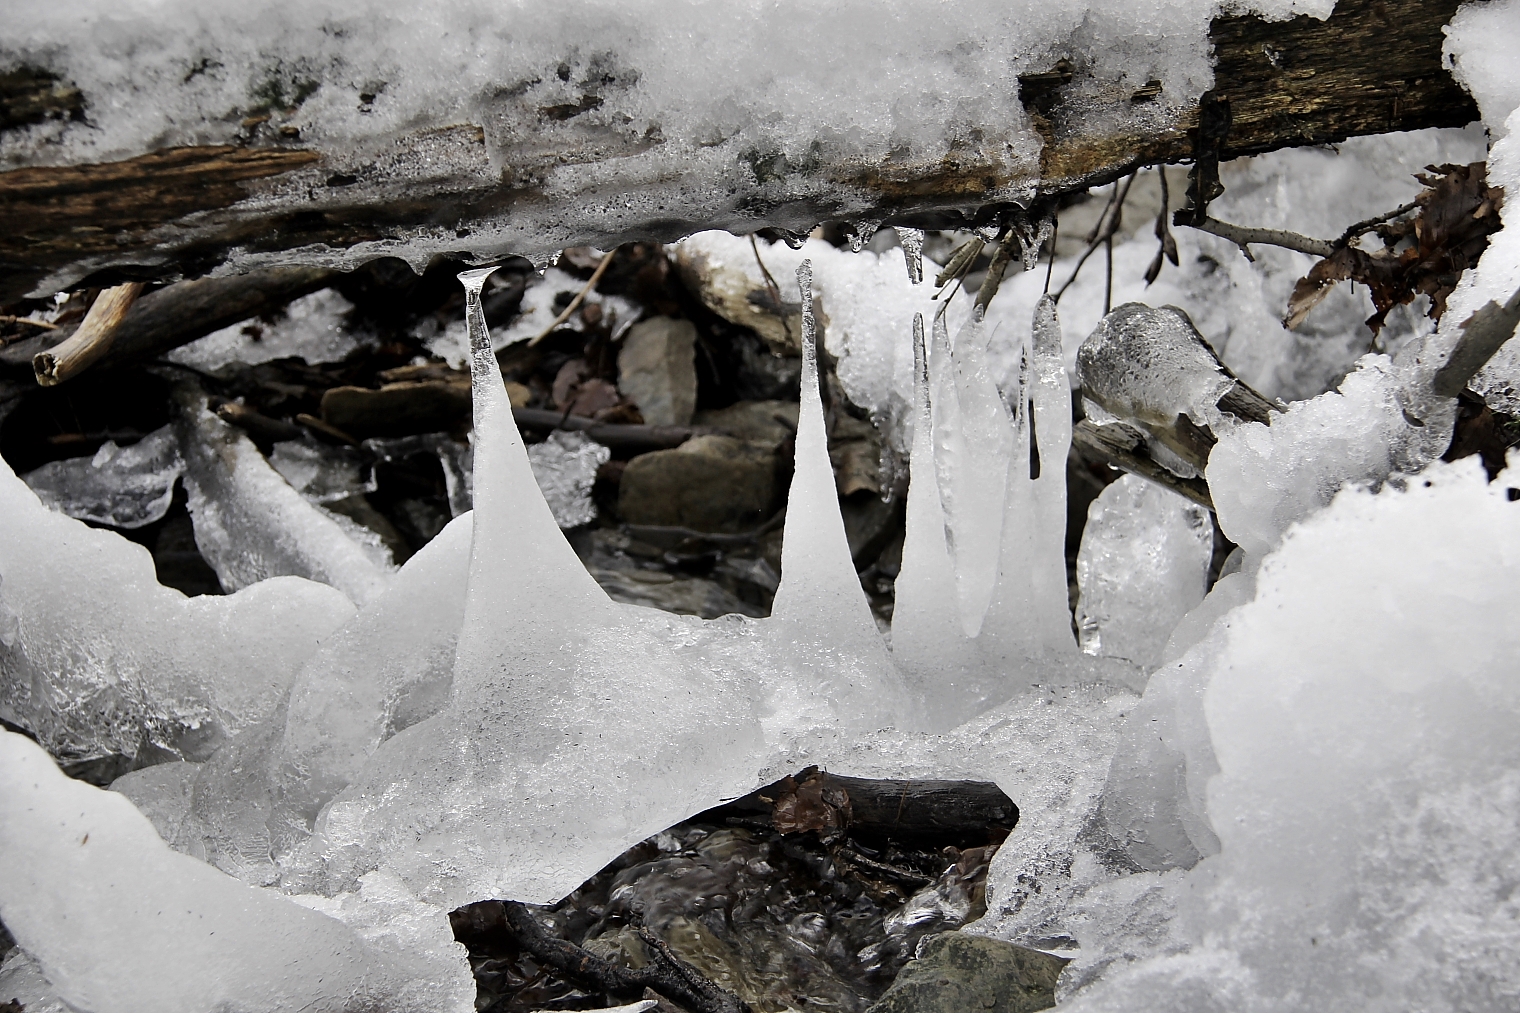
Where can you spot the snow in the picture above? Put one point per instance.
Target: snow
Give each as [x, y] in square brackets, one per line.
[676, 114]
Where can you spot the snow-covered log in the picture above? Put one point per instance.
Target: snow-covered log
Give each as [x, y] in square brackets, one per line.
[151, 140]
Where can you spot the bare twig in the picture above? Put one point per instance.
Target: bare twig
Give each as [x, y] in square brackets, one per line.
[331, 431]
[1167, 250]
[254, 422]
[1050, 265]
[1363, 227]
[1107, 225]
[1242, 236]
[666, 973]
[1482, 335]
[92, 340]
[775, 290]
[575, 303]
[9, 318]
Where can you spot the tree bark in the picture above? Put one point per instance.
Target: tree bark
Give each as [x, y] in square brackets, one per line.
[1371, 67]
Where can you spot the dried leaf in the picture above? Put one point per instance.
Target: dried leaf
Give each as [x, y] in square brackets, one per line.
[812, 805]
[1423, 255]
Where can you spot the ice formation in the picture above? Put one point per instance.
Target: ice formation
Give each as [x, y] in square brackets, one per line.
[250, 524]
[97, 658]
[311, 327]
[1144, 564]
[125, 487]
[1313, 804]
[147, 920]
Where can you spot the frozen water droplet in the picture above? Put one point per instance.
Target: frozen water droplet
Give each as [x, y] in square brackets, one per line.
[912, 241]
[796, 240]
[862, 235]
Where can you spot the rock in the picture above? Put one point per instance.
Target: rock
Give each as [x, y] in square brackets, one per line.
[657, 370]
[739, 293]
[710, 483]
[870, 523]
[691, 596]
[855, 451]
[961, 973]
[761, 374]
[769, 422]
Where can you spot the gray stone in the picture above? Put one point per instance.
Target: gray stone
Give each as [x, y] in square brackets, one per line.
[710, 483]
[960, 973]
[657, 370]
[769, 422]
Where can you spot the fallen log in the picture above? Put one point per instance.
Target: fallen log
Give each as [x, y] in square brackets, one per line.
[498, 184]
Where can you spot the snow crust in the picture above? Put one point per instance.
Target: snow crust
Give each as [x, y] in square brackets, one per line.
[670, 113]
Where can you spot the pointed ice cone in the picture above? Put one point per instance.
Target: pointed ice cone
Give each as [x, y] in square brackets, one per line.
[1029, 616]
[572, 731]
[820, 614]
[928, 642]
[973, 439]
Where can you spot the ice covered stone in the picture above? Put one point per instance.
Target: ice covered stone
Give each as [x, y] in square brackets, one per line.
[125, 487]
[1152, 365]
[250, 524]
[657, 370]
[97, 657]
[119, 922]
[21, 981]
[565, 467]
[1143, 565]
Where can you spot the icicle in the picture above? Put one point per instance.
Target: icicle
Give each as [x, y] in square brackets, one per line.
[572, 730]
[912, 241]
[1029, 617]
[796, 240]
[927, 640]
[862, 235]
[820, 614]
[973, 446]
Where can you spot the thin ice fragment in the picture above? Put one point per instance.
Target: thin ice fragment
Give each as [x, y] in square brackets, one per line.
[565, 467]
[125, 487]
[250, 524]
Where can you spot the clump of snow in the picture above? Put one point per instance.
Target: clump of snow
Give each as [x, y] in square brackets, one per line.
[1362, 711]
[1480, 49]
[1263, 479]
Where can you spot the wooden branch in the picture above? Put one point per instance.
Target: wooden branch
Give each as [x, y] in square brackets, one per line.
[93, 339]
[575, 303]
[616, 435]
[1123, 448]
[1484, 333]
[178, 314]
[1370, 67]
[666, 974]
[258, 425]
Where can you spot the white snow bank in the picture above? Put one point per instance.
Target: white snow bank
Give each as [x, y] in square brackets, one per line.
[1362, 710]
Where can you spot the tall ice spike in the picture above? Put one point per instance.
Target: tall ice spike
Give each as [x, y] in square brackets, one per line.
[820, 612]
[928, 643]
[573, 730]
